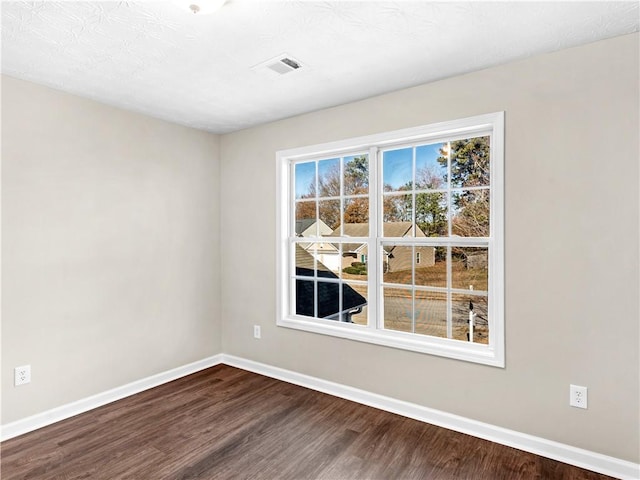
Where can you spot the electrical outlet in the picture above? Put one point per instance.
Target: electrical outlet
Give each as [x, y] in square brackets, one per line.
[256, 331]
[578, 396]
[22, 375]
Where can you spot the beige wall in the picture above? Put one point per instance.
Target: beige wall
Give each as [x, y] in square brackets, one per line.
[110, 247]
[571, 248]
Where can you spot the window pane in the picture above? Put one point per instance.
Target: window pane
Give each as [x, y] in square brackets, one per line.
[470, 162]
[305, 178]
[397, 262]
[431, 166]
[354, 303]
[397, 170]
[461, 306]
[329, 177]
[329, 300]
[329, 211]
[356, 210]
[356, 175]
[431, 313]
[397, 216]
[355, 261]
[306, 225]
[305, 298]
[317, 259]
[431, 214]
[470, 216]
[398, 308]
[305, 260]
[327, 259]
[430, 269]
[470, 268]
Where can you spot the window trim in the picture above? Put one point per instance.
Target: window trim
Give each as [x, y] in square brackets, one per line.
[492, 354]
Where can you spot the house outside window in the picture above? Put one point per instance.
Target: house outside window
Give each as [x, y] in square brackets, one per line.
[397, 239]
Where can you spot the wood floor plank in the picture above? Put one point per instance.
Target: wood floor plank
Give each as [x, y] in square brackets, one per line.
[226, 423]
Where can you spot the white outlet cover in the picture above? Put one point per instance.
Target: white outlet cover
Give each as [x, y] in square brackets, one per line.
[577, 396]
[256, 331]
[22, 375]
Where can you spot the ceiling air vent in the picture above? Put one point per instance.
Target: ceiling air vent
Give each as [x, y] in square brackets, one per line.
[280, 65]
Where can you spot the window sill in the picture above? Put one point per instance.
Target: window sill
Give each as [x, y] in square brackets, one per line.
[443, 347]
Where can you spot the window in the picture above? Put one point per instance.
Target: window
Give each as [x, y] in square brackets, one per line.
[397, 239]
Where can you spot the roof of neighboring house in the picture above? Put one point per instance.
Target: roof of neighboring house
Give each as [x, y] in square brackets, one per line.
[304, 224]
[397, 229]
[391, 229]
[319, 247]
[352, 230]
[328, 293]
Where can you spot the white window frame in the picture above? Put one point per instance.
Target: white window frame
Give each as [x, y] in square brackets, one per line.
[492, 353]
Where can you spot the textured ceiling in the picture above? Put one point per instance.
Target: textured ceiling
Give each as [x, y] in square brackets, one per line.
[158, 59]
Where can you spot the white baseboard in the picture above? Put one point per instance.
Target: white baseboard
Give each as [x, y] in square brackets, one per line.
[54, 415]
[557, 451]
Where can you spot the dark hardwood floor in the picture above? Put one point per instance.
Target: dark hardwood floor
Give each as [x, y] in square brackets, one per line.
[226, 423]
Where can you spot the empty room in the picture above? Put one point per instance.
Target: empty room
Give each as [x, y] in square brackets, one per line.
[345, 240]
